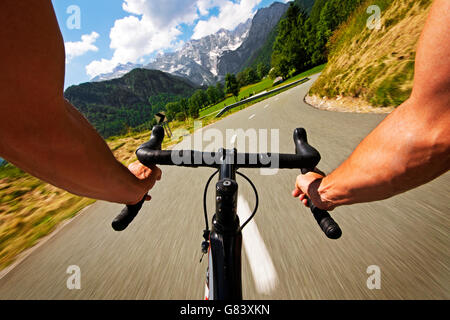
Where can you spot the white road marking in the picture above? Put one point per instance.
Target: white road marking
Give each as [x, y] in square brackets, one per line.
[265, 107]
[251, 117]
[263, 270]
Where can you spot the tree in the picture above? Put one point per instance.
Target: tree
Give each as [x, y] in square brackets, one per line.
[172, 108]
[281, 66]
[197, 101]
[241, 79]
[184, 107]
[193, 111]
[231, 85]
[213, 94]
[290, 47]
[180, 116]
[220, 91]
[262, 70]
[251, 75]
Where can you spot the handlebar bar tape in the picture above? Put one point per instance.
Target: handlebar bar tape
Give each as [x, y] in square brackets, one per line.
[128, 213]
[325, 221]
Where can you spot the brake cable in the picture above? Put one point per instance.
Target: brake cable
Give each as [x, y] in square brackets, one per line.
[256, 197]
[206, 231]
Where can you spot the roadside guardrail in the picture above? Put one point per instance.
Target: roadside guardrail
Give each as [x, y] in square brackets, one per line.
[257, 96]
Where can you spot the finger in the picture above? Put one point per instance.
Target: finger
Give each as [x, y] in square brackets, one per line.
[148, 197]
[305, 202]
[156, 171]
[296, 192]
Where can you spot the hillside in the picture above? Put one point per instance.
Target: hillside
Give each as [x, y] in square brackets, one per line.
[130, 101]
[264, 53]
[372, 68]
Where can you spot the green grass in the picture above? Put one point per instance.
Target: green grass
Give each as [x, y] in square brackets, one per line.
[376, 67]
[244, 93]
[265, 84]
[304, 74]
[10, 171]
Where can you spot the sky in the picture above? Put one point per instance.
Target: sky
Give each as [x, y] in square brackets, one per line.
[101, 34]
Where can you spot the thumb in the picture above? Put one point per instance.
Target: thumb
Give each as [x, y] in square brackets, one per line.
[303, 181]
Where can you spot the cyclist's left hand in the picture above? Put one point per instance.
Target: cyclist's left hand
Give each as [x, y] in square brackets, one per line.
[147, 176]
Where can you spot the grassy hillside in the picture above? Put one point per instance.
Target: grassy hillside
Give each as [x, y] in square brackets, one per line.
[130, 101]
[374, 66]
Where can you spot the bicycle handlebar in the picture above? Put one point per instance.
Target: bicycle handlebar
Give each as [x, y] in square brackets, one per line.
[305, 158]
[194, 159]
[323, 218]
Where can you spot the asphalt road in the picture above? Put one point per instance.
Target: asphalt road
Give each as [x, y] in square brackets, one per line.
[157, 257]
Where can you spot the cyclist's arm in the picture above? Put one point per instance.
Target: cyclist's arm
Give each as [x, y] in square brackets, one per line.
[40, 131]
[411, 146]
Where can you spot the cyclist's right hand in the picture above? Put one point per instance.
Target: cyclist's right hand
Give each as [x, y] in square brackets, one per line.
[307, 185]
[147, 177]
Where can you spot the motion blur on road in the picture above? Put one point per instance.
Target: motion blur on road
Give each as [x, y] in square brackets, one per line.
[285, 255]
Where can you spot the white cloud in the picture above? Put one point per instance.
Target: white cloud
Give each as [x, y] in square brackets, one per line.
[163, 13]
[79, 48]
[230, 16]
[155, 26]
[205, 5]
[155, 29]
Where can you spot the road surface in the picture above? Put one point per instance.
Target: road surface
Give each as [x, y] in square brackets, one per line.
[285, 255]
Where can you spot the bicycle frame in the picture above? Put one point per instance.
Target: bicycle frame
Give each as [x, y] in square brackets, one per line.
[224, 280]
[224, 245]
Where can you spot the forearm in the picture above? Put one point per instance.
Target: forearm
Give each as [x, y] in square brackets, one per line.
[412, 145]
[40, 132]
[407, 149]
[67, 152]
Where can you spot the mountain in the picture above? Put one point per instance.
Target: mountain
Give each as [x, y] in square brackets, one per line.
[130, 101]
[198, 59]
[207, 60]
[263, 23]
[264, 53]
[118, 72]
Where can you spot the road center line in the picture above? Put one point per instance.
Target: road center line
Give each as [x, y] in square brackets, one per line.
[251, 117]
[263, 270]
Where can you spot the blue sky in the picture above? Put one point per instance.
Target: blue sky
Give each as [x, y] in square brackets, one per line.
[120, 31]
